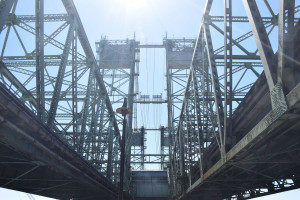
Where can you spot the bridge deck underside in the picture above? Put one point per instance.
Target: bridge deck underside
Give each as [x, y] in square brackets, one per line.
[34, 160]
[273, 155]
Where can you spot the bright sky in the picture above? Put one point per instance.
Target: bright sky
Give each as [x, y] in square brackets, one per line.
[149, 20]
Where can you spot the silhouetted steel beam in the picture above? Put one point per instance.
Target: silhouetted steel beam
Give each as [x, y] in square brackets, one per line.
[40, 65]
[47, 18]
[5, 7]
[151, 46]
[286, 69]
[262, 42]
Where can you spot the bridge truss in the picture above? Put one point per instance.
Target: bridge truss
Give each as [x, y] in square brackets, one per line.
[230, 105]
[233, 107]
[48, 63]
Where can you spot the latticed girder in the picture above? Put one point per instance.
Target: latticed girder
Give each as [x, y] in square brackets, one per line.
[178, 57]
[54, 72]
[216, 111]
[119, 66]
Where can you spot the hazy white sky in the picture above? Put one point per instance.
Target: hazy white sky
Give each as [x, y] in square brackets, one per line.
[149, 20]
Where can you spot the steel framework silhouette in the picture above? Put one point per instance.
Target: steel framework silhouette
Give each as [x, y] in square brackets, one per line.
[232, 103]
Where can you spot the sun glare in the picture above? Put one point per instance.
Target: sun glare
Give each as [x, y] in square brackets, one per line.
[134, 5]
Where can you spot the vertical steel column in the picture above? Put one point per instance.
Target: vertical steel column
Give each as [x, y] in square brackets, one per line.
[5, 7]
[136, 83]
[198, 118]
[170, 121]
[162, 145]
[286, 44]
[227, 68]
[189, 142]
[74, 87]
[142, 147]
[39, 43]
[104, 145]
[110, 152]
[169, 96]
[181, 148]
[131, 88]
[112, 81]
[123, 155]
[169, 93]
[124, 111]
[116, 158]
[131, 96]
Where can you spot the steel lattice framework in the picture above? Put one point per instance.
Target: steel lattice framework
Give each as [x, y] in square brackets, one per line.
[47, 62]
[219, 79]
[233, 99]
[119, 66]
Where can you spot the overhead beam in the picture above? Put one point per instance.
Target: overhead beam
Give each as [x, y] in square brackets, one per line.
[150, 46]
[262, 42]
[5, 7]
[47, 18]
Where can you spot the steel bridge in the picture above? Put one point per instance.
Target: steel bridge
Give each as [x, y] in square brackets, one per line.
[233, 106]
